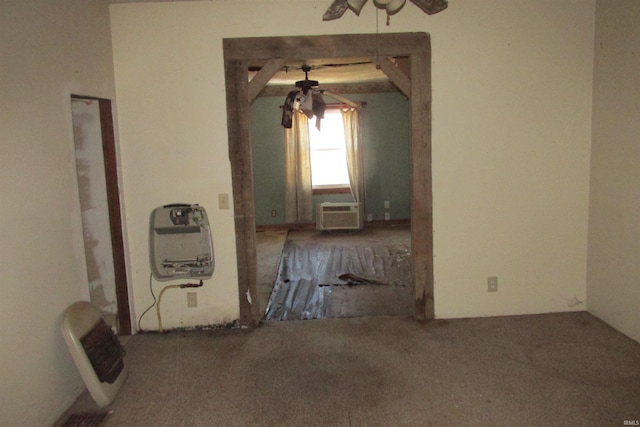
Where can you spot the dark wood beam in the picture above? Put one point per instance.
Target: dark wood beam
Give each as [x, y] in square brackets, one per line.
[238, 126]
[330, 46]
[421, 189]
[115, 217]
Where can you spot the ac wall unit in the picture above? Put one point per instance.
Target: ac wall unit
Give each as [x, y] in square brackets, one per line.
[338, 216]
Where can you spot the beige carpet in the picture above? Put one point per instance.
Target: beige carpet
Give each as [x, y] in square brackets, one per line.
[567, 369]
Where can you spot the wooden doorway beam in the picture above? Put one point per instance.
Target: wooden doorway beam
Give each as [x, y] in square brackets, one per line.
[238, 52]
[421, 185]
[238, 126]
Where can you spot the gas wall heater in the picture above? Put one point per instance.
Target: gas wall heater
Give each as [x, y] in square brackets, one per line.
[338, 216]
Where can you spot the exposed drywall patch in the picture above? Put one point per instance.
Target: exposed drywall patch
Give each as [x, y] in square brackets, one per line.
[98, 297]
[91, 178]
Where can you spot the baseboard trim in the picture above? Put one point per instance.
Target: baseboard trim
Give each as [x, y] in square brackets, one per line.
[286, 227]
[312, 226]
[389, 223]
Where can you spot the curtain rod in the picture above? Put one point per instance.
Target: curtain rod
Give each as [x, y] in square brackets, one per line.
[338, 104]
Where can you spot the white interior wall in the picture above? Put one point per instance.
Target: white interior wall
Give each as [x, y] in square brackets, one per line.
[614, 222]
[511, 143]
[49, 49]
[512, 85]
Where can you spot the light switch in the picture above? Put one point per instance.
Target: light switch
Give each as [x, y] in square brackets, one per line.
[223, 201]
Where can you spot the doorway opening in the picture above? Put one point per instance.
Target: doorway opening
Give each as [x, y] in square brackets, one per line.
[98, 190]
[416, 85]
[365, 244]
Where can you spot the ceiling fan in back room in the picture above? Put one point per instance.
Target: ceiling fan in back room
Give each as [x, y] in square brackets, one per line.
[307, 97]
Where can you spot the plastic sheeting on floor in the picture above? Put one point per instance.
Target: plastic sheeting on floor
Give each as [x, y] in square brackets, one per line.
[338, 277]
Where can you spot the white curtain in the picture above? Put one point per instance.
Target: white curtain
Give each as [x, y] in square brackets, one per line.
[352, 137]
[298, 191]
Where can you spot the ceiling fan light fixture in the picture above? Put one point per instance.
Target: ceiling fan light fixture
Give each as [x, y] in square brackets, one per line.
[394, 6]
[306, 84]
[310, 102]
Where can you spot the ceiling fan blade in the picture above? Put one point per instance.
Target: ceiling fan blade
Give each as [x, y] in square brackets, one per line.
[336, 10]
[431, 7]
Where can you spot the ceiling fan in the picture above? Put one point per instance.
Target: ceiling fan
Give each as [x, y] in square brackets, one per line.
[307, 97]
[339, 7]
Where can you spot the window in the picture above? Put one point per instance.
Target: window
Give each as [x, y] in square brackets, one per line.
[328, 152]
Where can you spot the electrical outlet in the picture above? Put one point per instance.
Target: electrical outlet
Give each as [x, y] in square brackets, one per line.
[223, 201]
[387, 205]
[192, 299]
[369, 217]
[492, 284]
[387, 216]
[274, 213]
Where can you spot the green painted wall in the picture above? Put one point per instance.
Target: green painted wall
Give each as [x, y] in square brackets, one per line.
[385, 132]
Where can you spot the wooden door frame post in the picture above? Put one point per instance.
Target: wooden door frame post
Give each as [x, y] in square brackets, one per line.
[238, 52]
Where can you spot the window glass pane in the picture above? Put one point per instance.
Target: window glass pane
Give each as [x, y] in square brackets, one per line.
[328, 155]
[329, 168]
[331, 134]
